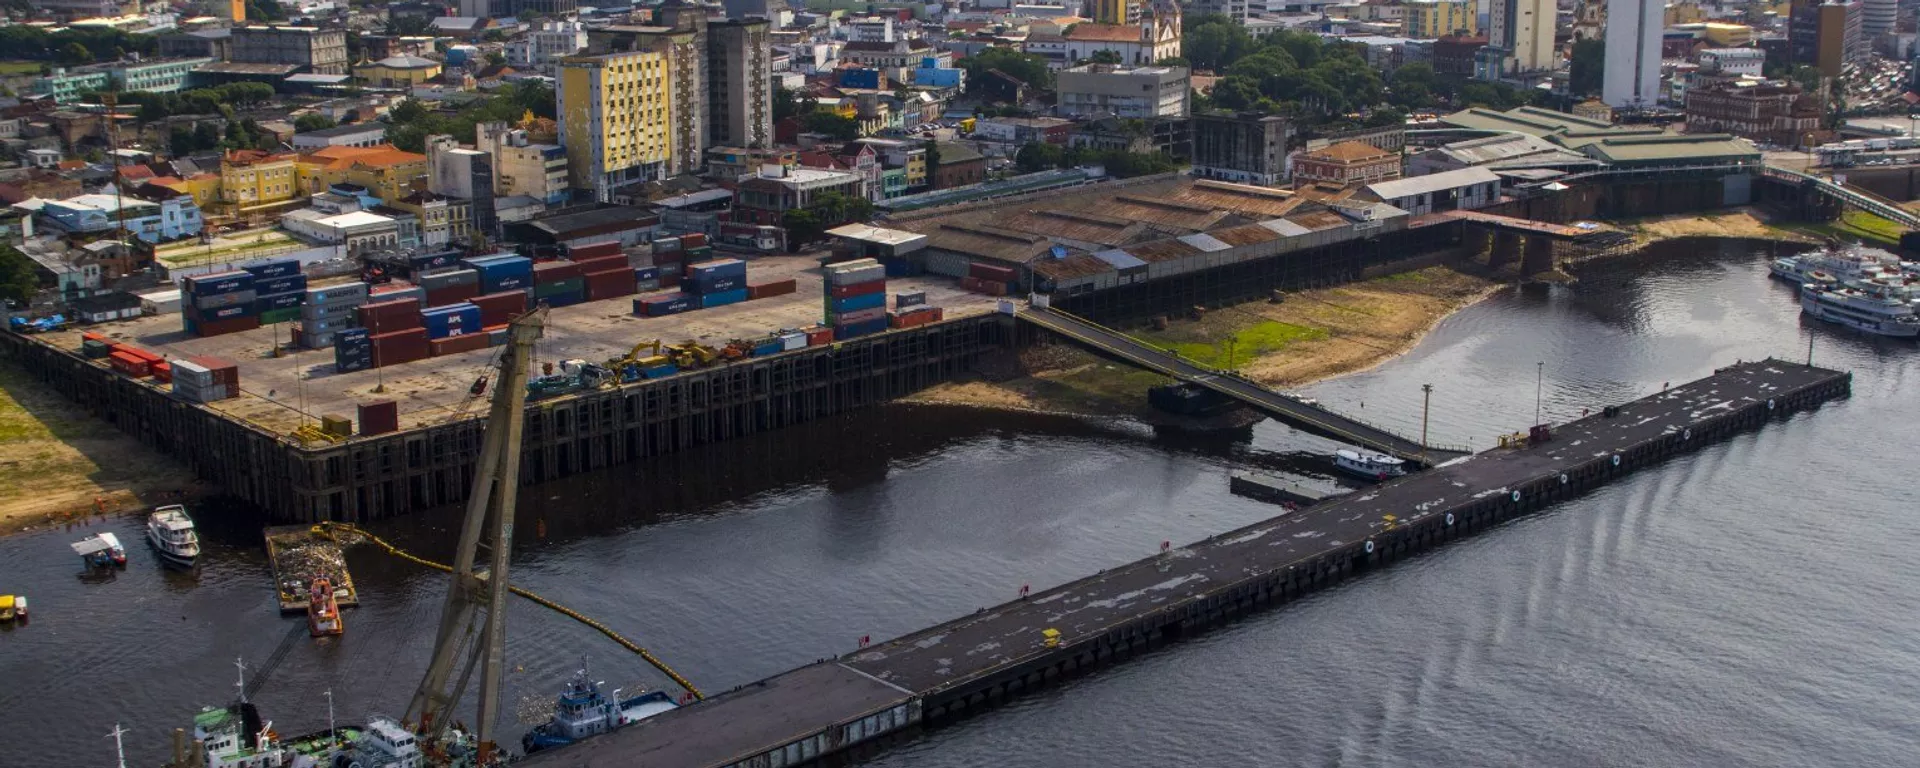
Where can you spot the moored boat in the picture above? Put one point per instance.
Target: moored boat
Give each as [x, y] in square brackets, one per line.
[13, 608]
[101, 550]
[1372, 466]
[323, 610]
[1863, 307]
[172, 533]
[582, 710]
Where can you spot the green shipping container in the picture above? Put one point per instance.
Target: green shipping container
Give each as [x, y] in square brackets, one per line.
[94, 350]
[558, 287]
[286, 315]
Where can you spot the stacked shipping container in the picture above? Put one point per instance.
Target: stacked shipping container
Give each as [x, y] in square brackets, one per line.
[717, 283]
[279, 288]
[219, 303]
[991, 280]
[329, 310]
[205, 379]
[856, 298]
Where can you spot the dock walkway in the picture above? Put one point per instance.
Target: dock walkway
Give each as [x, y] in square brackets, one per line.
[978, 661]
[1289, 410]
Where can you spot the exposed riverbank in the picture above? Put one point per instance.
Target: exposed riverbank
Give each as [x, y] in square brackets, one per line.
[63, 465]
[1310, 336]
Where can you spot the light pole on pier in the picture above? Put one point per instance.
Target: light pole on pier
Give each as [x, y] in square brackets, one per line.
[1426, 402]
[1539, 378]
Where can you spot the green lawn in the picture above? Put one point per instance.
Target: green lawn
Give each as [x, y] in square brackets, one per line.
[225, 249]
[1247, 344]
[1855, 225]
[13, 68]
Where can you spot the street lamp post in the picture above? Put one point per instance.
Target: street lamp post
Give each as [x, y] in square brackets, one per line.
[1426, 403]
[1539, 377]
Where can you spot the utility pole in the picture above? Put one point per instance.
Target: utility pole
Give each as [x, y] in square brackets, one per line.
[1810, 337]
[1426, 404]
[119, 748]
[1539, 378]
[495, 484]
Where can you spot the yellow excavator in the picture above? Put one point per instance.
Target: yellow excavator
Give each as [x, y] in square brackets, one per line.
[692, 355]
[634, 356]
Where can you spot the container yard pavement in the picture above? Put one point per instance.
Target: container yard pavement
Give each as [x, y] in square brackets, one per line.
[57, 459]
[276, 392]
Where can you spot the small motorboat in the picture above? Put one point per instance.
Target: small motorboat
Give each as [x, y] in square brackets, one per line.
[101, 550]
[1372, 466]
[13, 608]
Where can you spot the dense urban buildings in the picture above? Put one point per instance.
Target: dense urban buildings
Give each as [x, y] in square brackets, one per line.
[318, 51]
[1128, 92]
[1519, 39]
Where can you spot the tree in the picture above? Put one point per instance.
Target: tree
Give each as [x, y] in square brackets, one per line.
[205, 136]
[832, 124]
[933, 159]
[803, 226]
[1386, 117]
[786, 103]
[312, 121]
[1413, 86]
[407, 26]
[407, 112]
[1038, 156]
[1028, 68]
[1105, 56]
[496, 58]
[1236, 92]
[73, 54]
[1172, 61]
[1586, 72]
[1213, 41]
[18, 282]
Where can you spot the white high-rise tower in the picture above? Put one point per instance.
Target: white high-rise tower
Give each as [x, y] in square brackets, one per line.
[1632, 76]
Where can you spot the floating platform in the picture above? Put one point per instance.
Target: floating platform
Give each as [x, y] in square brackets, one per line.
[299, 554]
[1274, 489]
[950, 671]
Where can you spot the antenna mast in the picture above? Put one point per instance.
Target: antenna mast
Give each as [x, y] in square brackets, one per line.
[490, 507]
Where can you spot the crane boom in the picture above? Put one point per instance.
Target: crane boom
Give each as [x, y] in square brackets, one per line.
[496, 480]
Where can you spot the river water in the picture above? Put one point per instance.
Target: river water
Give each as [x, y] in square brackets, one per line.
[1750, 604]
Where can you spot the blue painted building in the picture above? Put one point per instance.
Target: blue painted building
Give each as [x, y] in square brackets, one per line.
[931, 73]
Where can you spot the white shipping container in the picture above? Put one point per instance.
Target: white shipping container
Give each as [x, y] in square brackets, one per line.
[160, 302]
[792, 341]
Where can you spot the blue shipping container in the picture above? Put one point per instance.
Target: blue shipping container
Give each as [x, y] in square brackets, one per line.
[281, 301]
[659, 371]
[723, 298]
[272, 269]
[451, 320]
[355, 335]
[564, 299]
[712, 284]
[423, 262]
[769, 349]
[646, 273]
[854, 330]
[857, 303]
[219, 283]
[721, 268]
[268, 285]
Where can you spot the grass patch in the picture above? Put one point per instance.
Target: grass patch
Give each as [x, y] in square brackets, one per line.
[1247, 343]
[1854, 225]
[1415, 276]
[15, 68]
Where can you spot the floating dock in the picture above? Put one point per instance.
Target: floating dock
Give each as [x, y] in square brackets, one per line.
[861, 699]
[1274, 489]
[298, 554]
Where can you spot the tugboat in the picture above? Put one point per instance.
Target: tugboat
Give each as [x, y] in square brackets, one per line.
[582, 711]
[171, 532]
[323, 611]
[387, 744]
[1372, 466]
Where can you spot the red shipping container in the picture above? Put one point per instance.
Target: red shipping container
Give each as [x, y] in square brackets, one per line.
[379, 418]
[224, 371]
[229, 325]
[389, 316]
[609, 285]
[129, 365]
[452, 294]
[150, 357]
[819, 335]
[400, 347]
[555, 271]
[992, 273]
[453, 345]
[858, 289]
[694, 240]
[669, 279]
[603, 264]
[776, 288]
[162, 372]
[596, 250]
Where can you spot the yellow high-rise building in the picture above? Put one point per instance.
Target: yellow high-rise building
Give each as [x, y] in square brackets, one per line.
[616, 113]
[1432, 19]
[1114, 11]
